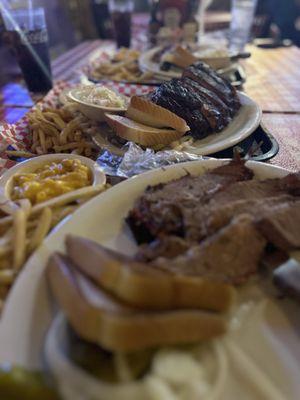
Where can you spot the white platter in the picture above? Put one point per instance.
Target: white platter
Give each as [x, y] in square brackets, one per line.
[269, 364]
[147, 64]
[243, 125]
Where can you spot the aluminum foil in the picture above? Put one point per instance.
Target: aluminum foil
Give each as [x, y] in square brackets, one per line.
[136, 160]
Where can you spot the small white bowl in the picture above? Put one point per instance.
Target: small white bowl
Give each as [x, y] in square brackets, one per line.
[95, 111]
[31, 165]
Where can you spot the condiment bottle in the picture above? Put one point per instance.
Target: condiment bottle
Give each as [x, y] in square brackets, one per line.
[154, 23]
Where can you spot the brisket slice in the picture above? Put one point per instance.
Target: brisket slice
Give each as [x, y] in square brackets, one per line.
[231, 255]
[281, 226]
[195, 207]
[208, 78]
[208, 221]
[160, 209]
[253, 197]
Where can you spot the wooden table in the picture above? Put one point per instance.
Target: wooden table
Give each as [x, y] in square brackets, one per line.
[273, 80]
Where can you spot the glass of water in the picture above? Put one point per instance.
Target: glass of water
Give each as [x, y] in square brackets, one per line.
[242, 16]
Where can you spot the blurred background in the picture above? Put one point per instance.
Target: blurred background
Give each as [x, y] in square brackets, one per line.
[73, 21]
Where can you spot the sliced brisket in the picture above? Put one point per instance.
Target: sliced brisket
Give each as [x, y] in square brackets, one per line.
[281, 226]
[221, 225]
[161, 209]
[231, 255]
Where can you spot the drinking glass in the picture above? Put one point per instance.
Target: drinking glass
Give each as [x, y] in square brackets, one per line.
[28, 36]
[121, 11]
[200, 17]
[242, 16]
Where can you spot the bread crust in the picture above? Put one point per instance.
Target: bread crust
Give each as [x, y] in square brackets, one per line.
[139, 133]
[146, 112]
[144, 286]
[98, 317]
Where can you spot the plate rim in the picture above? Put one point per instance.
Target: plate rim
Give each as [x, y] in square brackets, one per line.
[232, 141]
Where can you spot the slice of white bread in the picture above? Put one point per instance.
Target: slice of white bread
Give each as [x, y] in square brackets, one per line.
[145, 112]
[144, 286]
[98, 317]
[183, 57]
[139, 133]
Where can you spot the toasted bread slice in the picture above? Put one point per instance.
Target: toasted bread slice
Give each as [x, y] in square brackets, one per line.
[144, 286]
[139, 133]
[183, 57]
[98, 317]
[145, 112]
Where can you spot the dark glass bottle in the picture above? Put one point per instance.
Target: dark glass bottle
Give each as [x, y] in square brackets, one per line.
[154, 22]
[102, 18]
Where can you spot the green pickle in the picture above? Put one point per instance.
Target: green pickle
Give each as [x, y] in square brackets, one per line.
[17, 383]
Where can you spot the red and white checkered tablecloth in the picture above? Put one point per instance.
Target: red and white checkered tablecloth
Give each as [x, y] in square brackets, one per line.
[18, 135]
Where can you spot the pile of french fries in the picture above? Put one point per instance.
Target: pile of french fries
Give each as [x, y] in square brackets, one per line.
[61, 130]
[23, 228]
[123, 66]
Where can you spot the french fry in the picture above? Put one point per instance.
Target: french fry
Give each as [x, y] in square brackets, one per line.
[6, 276]
[35, 135]
[25, 205]
[42, 141]
[24, 230]
[70, 127]
[8, 207]
[55, 141]
[72, 146]
[55, 131]
[60, 213]
[125, 66]
[41, 229]
[69, 197]
[56, 118]
[19, 241]
[6, 238]
[5, 250]
[49, 129]
[39, 151]
[19, 153]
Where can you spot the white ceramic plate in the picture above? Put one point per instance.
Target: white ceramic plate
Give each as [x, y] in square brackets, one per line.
[243, 124]
[265, 360]
[147, 63]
